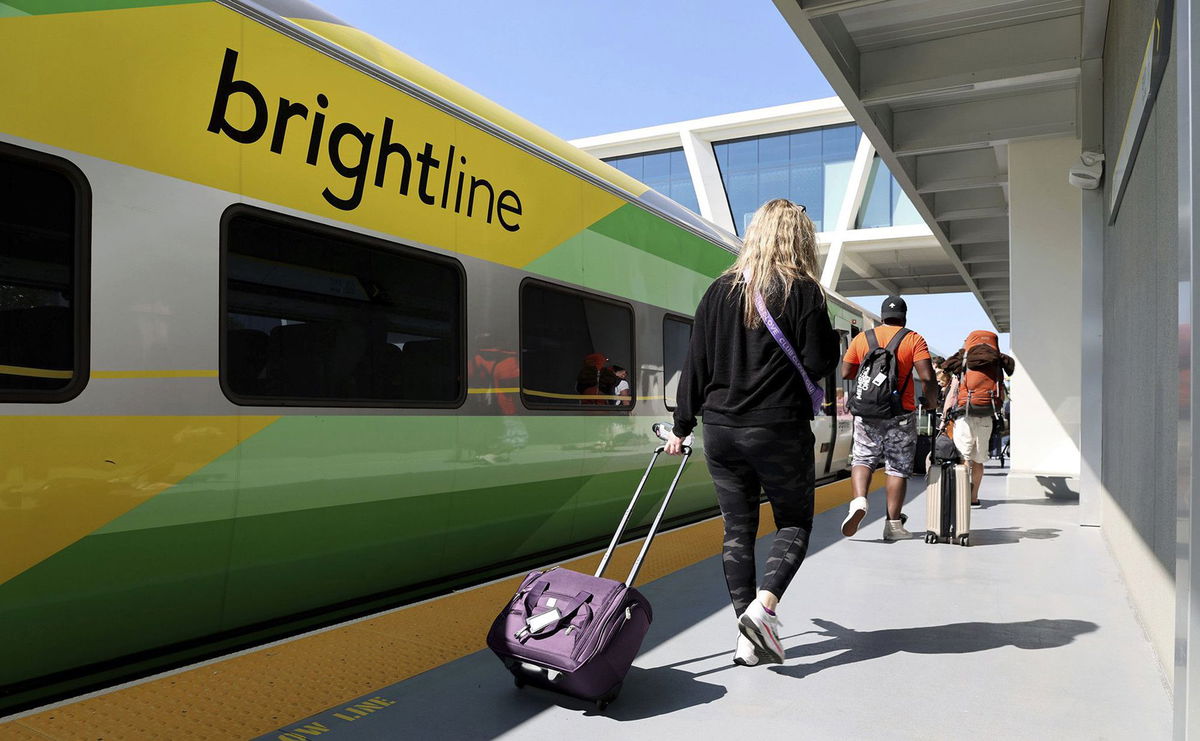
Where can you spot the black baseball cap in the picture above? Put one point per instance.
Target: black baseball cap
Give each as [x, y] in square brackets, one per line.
[893, 308]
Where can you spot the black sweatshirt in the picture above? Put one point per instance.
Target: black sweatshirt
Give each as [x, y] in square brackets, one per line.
[740, 377]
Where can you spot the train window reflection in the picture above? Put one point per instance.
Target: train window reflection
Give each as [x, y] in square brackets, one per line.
[677, 335]
[42, 294]
[318, 316]
[576, 350]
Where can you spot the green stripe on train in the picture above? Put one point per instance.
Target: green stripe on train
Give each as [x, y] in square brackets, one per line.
[327, 509]
[634, 225]
[633, 254]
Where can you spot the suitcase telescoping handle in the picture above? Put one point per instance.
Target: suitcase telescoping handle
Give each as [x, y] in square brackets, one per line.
[612, 546]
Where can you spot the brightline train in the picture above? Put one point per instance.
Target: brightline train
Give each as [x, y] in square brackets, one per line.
[293, 328]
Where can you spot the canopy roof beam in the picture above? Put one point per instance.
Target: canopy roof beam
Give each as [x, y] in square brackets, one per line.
[977, 231]
[963, 170]
[984, 252]
[970, 204]
[818, 8]
[983, 123]
[976, 62]
[833, 48]
[869, 274]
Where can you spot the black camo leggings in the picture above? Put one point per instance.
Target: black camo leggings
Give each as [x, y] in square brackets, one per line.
[744, 461]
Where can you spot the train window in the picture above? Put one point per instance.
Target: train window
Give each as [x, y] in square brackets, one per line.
[677, 335]
[317, 316]
[576, 350]
[44, 212]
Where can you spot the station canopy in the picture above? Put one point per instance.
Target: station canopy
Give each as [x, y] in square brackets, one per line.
[940, 87]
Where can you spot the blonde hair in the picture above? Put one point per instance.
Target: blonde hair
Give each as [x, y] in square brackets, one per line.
[780, 247]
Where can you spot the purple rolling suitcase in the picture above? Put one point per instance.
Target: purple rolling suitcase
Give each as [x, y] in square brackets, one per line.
[574, 633]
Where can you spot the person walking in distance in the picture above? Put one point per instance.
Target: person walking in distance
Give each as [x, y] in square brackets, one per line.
[881, 362]
[761, 333]
[977, 398]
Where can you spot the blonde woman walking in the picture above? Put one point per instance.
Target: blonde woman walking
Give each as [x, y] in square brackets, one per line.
[757, 408]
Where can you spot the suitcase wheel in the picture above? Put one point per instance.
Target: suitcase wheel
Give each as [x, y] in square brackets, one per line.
[602, 703]
[965, 540]
[931, 538]
[518, 682]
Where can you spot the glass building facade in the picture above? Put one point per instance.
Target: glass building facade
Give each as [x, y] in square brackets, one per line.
[810, 166]
[884, 203]
[665, 171]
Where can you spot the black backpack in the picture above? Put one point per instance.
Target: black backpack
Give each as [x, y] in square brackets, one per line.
[875, 394]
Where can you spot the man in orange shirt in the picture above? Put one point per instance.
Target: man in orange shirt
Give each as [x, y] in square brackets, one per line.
[891, 439]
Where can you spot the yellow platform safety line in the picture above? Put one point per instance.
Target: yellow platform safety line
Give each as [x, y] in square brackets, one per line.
[19, 370]
[258, 692]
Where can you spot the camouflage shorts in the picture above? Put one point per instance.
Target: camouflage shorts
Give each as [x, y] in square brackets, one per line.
[890, 441]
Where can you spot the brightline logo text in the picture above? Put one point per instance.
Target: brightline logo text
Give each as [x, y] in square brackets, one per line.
[505, 206]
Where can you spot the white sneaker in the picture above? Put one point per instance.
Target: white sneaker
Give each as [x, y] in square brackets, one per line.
[762, 628]
[858, 510]
[894, 530]
[747, 654]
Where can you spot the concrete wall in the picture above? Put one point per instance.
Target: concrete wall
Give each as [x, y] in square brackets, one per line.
[1140, 342]
[1044, 246]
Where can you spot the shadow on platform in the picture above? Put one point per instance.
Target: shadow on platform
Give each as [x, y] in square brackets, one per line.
[1037, 501]
[956, 638]
[1058, 488]
[646, 693]
[1013, 534]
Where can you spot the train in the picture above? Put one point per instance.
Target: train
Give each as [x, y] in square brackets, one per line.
[293, 328]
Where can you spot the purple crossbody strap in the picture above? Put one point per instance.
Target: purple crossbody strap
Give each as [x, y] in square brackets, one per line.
[815, 392]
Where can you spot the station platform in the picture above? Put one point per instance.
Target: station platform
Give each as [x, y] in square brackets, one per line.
[1027, 634]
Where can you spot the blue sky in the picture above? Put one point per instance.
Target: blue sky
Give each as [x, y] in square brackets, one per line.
[583, 68]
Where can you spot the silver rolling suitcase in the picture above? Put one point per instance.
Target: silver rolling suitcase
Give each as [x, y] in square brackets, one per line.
[948, 504]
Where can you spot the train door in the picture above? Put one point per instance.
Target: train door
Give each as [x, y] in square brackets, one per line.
[838, 456]
[822, 427]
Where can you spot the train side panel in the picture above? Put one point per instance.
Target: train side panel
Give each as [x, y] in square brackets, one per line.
[156, 515]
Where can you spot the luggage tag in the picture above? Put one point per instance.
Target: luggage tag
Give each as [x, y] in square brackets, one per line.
[536, 622]
[878, 380]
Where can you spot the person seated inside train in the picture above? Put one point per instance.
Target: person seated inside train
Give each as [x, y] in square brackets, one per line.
[622, 390]
[595, 379]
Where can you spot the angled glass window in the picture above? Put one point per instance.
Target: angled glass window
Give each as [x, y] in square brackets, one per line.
[576, 350]
[811, 166]
[317, 316]
[665, 171]
[43, 277]
[884, 203]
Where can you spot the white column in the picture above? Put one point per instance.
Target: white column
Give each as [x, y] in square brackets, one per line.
[1091, 432]
[851, 203]
[1045, 218]
[706, 179]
